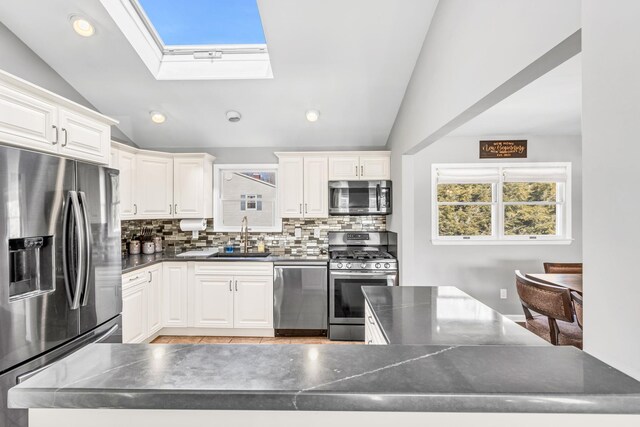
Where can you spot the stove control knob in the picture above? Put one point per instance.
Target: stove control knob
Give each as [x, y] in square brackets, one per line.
[377, 265]
[363, 265]
[339, 265]
[348, 265]
[387, 265]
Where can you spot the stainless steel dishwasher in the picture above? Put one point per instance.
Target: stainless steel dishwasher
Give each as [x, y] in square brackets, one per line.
[300, 296]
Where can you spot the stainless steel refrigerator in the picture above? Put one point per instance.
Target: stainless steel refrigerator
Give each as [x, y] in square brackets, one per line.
[60, 265]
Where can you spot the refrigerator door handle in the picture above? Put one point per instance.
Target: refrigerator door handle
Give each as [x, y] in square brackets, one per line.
[87, 248]
[80, 273]
[65, 249]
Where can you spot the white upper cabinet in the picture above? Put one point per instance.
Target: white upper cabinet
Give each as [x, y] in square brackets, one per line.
[193, 186]
[27, 121]
[359, 166]
[127, 183]
[303, 186]
[316, 187]
[84, 138]
[36, 119]
[291, 186]
[375, 167]
[113, 158]
[154, 179]
[344, 168]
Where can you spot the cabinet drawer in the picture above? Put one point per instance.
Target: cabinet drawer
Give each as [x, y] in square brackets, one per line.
[135, 278]
[258, 268]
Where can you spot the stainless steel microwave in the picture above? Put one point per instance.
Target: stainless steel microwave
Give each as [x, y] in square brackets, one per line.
[359, 197]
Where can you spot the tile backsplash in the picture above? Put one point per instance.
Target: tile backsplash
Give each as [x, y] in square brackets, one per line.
[284, 243]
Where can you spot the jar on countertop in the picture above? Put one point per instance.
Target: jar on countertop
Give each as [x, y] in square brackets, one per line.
[134, 247]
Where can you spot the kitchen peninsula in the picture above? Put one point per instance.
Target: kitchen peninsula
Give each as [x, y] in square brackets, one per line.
[418, 383]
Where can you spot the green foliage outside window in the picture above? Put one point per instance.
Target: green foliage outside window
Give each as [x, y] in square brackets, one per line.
[464, 220]
[529, 220]
[529, 192]
[465, 193]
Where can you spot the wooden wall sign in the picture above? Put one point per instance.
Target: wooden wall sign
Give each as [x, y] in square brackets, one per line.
[516, 149]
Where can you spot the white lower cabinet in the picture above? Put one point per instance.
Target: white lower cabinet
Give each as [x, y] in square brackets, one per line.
[253, 302]
[213, 301]
[372, 332]
[175, 292]
[141, 304]
[196, 295]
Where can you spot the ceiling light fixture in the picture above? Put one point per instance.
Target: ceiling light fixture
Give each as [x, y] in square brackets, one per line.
[157, 117]
[233, 116]
[82, 26]
[313, 115]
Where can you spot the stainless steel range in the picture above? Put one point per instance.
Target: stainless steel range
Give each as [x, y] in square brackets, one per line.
[357, 259]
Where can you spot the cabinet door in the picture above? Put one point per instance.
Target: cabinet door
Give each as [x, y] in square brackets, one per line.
[134, 314]
[188, 187]
[154, 298]
[253, 302]
[375, 167]
[27, 121]
[127, 182]
[83, 138]
[291, 187]
[175, 294]
[213, 297]
[316, 187]
[344, 168]
[155, 186]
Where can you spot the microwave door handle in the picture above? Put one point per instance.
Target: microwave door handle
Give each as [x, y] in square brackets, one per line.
[378, 198]
[88, 252]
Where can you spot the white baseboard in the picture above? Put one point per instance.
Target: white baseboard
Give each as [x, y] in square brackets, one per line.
[218, 332]
[515, 317]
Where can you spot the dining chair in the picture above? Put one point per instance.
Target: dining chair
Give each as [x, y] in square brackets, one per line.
[563, 267]
[548, 311]
[577, 306]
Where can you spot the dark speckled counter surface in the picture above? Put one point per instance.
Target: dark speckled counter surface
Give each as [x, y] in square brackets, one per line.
[134, 262]
[441, 315]
[332, 378]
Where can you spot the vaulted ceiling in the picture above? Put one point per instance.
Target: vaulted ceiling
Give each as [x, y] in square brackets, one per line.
[351, 60]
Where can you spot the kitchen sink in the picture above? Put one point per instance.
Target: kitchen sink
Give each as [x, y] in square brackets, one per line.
[241, 255]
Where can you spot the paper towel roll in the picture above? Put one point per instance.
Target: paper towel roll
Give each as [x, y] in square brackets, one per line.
[193, 225]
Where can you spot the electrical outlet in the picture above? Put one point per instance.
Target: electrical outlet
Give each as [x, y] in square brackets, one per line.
[316, 233]
[298, 233]
[503, 294]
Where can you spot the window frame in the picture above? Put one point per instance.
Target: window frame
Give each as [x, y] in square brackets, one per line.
[563, 234]
[175, 62]
[217, 206]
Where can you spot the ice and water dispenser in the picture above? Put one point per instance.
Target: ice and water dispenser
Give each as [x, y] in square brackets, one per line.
[31, 265]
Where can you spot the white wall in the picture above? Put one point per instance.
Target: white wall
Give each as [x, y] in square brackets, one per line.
[19, 60]
[611, 152]
[471, 49]
[482, 271]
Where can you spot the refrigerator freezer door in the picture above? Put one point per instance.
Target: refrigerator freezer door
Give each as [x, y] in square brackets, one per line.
[102, 291]
[110, 332]
[35, 315]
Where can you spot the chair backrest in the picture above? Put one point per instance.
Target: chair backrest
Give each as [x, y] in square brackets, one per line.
[577, 306]
[548, 300]
[563, 267]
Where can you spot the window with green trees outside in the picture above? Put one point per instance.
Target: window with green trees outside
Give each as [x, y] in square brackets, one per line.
[501, 202]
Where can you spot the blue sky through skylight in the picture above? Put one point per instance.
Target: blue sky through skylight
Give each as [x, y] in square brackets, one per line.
[205, 22]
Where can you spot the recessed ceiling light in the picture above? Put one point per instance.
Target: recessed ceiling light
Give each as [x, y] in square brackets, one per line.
[82, 26]
[157, 117]
[313, 115]
[233, 116]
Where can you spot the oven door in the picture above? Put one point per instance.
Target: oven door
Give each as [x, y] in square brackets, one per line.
[346, 301]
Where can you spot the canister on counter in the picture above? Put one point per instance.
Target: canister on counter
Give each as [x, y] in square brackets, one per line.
[157, 241]
[134, 247]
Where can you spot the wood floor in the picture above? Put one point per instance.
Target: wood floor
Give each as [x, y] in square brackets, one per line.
[169, 339]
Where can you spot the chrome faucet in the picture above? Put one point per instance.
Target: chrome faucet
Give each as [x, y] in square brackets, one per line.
[244, 234]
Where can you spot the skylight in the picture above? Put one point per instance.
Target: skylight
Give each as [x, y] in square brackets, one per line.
[205, 22]
[195, 39]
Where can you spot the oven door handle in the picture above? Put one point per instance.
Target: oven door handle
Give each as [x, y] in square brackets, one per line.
[360, 274]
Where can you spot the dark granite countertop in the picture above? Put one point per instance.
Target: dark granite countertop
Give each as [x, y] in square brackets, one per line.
[134, 262]
[445, 315]
[332, 378]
